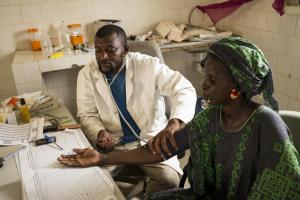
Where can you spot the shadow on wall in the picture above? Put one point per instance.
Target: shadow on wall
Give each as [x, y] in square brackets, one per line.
[65, 88]
[188, 65]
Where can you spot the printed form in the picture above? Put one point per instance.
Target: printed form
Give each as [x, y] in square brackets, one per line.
[21, 134]
[44, 178]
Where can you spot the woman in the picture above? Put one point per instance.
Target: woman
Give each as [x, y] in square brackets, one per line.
[239, 149]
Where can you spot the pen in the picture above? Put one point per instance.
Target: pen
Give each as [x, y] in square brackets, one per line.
[58, 146]
[47, 137]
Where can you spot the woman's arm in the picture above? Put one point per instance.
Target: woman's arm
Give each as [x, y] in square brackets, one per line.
[90, 157]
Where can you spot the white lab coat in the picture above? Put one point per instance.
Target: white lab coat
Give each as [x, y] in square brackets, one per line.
[147, 81]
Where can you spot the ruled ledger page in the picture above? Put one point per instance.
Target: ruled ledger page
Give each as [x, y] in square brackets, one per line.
[44, 178]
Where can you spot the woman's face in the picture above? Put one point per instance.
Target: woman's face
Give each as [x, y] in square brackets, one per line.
[217, 83]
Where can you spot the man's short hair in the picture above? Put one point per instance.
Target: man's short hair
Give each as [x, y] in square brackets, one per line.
[110, 29]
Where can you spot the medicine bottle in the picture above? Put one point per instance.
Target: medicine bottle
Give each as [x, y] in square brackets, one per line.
[24, 111]
[75, 35]
[35, 39]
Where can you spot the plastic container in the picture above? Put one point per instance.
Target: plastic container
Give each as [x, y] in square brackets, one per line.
[75, 35]
[46, 45]
[64, 36]
[35, 39]
[24, 111]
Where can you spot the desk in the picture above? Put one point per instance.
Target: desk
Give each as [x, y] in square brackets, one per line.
[10, 183]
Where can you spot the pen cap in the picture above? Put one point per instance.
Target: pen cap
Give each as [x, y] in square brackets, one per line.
[22, 101]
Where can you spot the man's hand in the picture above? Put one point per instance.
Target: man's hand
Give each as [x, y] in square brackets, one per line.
[83, 158]
[158, 144]
[105, 140]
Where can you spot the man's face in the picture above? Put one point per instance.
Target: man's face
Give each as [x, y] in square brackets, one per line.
[110, 51]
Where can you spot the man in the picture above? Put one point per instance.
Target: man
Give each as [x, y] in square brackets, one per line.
[120, 103]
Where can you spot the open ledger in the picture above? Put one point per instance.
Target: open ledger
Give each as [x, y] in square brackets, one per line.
[44, 178]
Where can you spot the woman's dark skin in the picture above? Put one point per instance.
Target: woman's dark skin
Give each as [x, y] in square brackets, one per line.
[217, 86]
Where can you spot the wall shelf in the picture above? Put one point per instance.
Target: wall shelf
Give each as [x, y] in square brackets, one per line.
[292, 10]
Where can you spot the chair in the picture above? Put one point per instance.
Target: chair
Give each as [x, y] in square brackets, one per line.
[292, 120]
[145, 47]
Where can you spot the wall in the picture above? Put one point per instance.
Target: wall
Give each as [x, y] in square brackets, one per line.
[279, 37]
[16, 16]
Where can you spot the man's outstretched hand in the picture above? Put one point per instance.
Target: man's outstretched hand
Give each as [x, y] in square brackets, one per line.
[83, 158]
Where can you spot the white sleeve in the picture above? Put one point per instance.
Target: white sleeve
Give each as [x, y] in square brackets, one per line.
[87, 110]
[176, 87]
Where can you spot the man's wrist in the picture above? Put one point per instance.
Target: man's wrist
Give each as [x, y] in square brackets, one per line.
[175, 123]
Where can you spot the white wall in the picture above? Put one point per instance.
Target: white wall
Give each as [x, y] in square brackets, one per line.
[278, 36]
[16, 16]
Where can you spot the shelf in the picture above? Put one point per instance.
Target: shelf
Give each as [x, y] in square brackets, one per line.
[292, 10]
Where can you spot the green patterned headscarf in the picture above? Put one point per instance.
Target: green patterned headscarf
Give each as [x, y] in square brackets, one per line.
[249, 67]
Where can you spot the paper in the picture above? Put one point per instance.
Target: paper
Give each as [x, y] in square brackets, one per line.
[21, 134]
[44, 178]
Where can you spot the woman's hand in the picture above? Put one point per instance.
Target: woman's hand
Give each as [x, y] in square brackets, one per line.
[158, 144]
[84, 158]
[105, 140]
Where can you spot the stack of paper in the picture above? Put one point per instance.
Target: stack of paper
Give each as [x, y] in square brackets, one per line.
[21, 134]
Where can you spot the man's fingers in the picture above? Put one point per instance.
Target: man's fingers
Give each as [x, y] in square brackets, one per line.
[79, 151]
[102, 139]
[150, 146]
[172, 141]
[72, 163]
[164, 146]
[157, 146]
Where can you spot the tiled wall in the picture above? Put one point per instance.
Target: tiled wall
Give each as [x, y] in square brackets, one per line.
[16, 16]
[278, 36]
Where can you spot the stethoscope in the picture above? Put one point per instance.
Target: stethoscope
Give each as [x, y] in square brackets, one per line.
[120, 112]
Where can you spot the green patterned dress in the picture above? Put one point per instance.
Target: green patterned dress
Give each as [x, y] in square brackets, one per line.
[258, 161]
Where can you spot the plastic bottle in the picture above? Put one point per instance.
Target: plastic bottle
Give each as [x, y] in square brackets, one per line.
[46, 45]
[24, 111]
[75, 35]
[35, 39]
[65, 37]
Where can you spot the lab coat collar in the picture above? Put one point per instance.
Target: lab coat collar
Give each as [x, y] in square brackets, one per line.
[103, 84]
[128, 79]
[95, 70]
